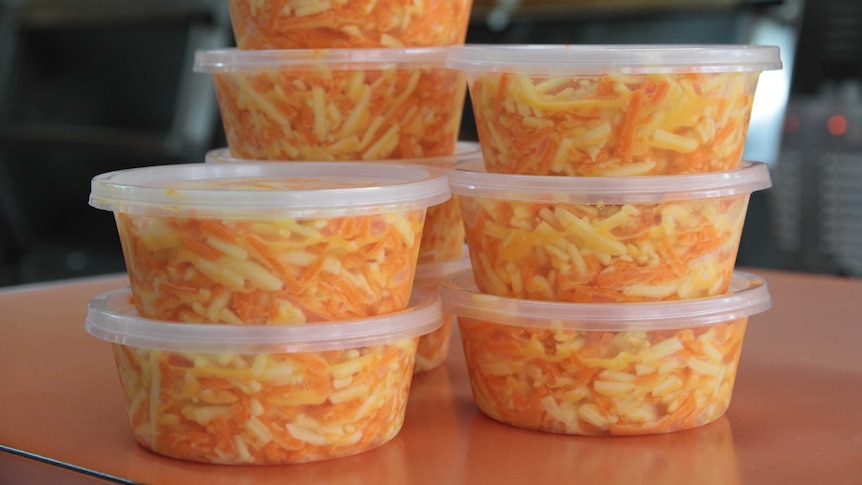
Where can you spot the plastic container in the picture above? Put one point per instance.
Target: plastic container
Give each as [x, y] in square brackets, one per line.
[604, 239]
[324, 24]
[465, 151]
[443, 235]
[263, 395]
[603, 369]
[612, 110]
[270, 243]
[434, 347]
[337, 104]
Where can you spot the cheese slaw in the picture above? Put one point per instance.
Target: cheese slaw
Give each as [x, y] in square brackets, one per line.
[263, 395]
[603, 369]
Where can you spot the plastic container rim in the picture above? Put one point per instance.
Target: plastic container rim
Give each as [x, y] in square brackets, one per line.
[147, 189]
[471, 180]
[112, 317]
[614, 58]
[432, 272]
[237, 60]
[465, 151]
[748, 296]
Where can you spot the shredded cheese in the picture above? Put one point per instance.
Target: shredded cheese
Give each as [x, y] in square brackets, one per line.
[270, 271]
[338, 114]
[612, 125]
[603, 252]
[599, 383]
[319, 24]
[276, 420]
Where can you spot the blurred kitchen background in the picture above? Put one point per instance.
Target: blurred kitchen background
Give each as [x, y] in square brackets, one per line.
[96, 85]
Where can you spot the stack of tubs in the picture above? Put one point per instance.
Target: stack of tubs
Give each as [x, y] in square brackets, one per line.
[603, 229]
[345, 81]
[272, 316]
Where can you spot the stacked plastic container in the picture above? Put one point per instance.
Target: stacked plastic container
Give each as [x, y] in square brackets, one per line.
[346, 81]
[603, 229]
[272, 316]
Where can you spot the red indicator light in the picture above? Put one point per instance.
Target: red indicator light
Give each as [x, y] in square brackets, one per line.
[837, 125]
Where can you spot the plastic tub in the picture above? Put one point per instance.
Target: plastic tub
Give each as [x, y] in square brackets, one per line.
[260, 394]
[337, 104]
[443, 235]
[604, 239]
[603, 369]
[434, 347]
[270, 243]
[322, 24]
[612, 110]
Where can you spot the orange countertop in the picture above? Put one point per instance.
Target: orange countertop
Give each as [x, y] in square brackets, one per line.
[796, 414]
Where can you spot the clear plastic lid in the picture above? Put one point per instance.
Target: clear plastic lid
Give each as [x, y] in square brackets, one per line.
[604, 59]
[748, 295]
[290, 189]
[468, 150]
[236, 60]
[112, 317]
[431, 273]
[465, 151]
[470, 179]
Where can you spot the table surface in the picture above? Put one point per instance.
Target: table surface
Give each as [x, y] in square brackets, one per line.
[796, 415]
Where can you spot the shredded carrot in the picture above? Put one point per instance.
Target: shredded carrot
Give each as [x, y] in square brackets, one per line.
[604, 253]
[270, 271]
[613, 124]
[266, 408]
[322, 114]
[600, 383]
[443, 234]
[328, 24]
[434, 347]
